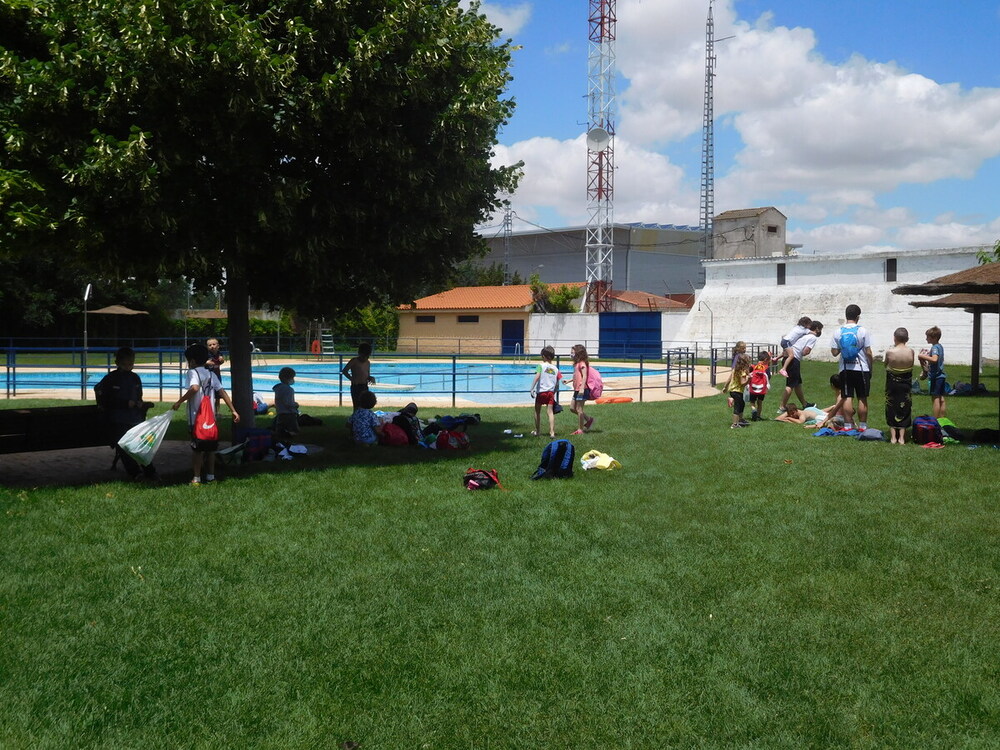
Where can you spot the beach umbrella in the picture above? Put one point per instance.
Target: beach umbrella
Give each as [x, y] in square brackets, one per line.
[975, 289]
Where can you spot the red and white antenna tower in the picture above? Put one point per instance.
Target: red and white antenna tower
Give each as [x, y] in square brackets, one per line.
[601, 154]
[708, 148]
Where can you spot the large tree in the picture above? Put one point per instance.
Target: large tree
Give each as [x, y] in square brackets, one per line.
[315, 154]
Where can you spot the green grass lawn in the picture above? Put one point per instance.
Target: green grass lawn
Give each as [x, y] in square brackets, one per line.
[726, 589]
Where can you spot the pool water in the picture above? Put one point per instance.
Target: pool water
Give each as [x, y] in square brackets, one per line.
[487, 383]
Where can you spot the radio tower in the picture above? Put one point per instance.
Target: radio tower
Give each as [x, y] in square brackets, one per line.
[508, 224]
[600, 154]
[708, 147]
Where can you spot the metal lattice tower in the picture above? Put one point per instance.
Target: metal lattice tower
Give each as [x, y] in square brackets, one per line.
[508, 229]
[601, 154]
[708, 147]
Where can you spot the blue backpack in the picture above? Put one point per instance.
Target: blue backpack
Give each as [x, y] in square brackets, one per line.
[557, 461]
[850, 344]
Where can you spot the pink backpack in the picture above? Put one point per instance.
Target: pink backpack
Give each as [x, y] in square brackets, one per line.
[594, 381]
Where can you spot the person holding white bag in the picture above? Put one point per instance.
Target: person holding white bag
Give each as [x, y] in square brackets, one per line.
[119, 397]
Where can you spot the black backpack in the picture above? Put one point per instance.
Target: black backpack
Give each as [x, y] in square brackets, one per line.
[481, 479]
[557, 461]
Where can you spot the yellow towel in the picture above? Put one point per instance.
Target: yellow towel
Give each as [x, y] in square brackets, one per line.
[598, 460]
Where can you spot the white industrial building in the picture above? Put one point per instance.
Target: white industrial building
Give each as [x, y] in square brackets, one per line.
[760, 299]
[754, 287]
[661, 259]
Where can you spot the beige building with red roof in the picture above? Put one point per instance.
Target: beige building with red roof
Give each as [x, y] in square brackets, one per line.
[492, 320]
[469, 320]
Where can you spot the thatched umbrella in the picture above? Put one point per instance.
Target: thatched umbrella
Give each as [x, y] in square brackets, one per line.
[117, 310]
[975, 289]
[983, 279]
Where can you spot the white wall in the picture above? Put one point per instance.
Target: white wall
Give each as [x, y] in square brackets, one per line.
[741, 300]
[562, 330]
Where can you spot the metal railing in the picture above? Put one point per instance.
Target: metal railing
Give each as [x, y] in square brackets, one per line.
[39, 370]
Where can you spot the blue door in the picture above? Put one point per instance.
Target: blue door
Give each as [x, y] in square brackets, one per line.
[631, 334]
[511, 336]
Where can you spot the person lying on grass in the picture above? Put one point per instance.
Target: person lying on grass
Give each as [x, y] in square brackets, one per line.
[807, 416]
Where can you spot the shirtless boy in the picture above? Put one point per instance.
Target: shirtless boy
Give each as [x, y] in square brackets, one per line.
[898, 381]
[358, 369]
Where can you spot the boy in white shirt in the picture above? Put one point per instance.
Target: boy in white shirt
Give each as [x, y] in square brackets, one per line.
[202, 382]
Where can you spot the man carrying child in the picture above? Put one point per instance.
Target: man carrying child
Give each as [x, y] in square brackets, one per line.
[800, 348]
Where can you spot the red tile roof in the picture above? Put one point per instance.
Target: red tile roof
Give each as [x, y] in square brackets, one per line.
[513, 297]
[648, 301]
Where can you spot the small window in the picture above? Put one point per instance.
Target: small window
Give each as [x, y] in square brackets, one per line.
[771, 229]
[890, 269]
[425, 318]
[468, 318]
[781, 274]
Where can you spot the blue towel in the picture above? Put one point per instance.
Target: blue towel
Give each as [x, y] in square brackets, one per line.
[824, 432]
[848, 433]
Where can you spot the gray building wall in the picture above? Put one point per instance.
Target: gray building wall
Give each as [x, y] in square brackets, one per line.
[750, 233]
[656, 258]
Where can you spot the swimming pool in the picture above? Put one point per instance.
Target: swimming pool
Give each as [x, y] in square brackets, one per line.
[483, 382]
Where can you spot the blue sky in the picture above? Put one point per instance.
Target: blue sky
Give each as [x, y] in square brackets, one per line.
[870, 124]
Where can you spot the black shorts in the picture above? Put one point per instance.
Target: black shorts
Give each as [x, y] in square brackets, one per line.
[204, 446]
[855, 383]
[739, 405]
[356, 390]
[794, 371]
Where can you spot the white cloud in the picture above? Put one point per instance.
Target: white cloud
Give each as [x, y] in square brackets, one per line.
[509, 18]
[850, 130]
[885, 218]
[821, 141]
[647, 187]
[836, 237]
[949, 234]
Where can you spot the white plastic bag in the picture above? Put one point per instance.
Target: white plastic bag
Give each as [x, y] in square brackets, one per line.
[143, 440]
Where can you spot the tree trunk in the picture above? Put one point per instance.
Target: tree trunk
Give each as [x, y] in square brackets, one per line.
[240, 350]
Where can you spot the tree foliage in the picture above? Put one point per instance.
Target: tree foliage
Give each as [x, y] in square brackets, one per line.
[327, 148]
[985, 256]
[547, 298]
[473, 273]
[313, 155]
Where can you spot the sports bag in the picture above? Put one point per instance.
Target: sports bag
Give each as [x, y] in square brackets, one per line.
[481, 479]
[594, 381]
[850, 344]
[557, 461]
[926, 429]
[393, 434]
[142, 441]
[451, 440]
[758, 382]
[205, 427]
